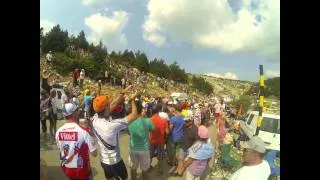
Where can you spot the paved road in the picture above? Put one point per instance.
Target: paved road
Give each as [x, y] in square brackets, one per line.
[49, 152]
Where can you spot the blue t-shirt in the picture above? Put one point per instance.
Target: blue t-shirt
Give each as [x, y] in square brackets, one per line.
[178, 128]
[86, 101]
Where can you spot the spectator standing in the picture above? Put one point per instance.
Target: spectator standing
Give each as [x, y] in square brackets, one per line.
[75, 77]
[74, 144]
[107, 131]
[190, 136]
[44, 78]
[217, 111]
[86, 101]
[197, 115]
[52, 113]
[176, 128]
[49, 57]
[82, 75]
[44, 112]
[157, 137]
[139, 143]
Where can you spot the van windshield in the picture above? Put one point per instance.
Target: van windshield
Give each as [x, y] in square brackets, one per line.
[250, 119]
[270, 125]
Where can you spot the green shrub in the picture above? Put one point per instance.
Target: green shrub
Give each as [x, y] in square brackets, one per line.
[245, 100]
[62, 63]
[202, 85]
[65, 64]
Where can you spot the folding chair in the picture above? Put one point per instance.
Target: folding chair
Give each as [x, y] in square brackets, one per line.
[223, 162]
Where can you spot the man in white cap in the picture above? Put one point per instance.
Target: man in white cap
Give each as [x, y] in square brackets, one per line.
[255, 168]
[74, 144]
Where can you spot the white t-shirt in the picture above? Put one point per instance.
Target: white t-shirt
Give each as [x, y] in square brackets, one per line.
[82, 75]
[106, 74]
[109, 131]
[123, 81]
[257, 172]
[49, 57]
[74, 142]
[217, 108]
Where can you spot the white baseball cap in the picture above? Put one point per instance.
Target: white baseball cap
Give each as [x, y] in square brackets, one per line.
[69, 108]
[255, 143]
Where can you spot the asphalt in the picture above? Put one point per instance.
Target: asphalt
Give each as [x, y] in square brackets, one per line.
[49, 153]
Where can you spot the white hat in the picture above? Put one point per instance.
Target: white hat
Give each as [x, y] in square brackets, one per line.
[196, 106]
[69, 108]
[255, 143]
[75, 101]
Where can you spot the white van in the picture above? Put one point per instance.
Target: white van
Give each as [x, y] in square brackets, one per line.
[269, 130]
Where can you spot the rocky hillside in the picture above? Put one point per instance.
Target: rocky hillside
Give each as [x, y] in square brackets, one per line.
[221, 87]
[227, 87]
[151, 88]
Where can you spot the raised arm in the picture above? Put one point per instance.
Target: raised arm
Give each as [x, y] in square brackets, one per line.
[119, 99]
[134, 113]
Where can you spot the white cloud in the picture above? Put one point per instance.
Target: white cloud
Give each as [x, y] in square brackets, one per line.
[92, 2]
[47, 25]
[228, 75]
[272, 74]
[156, 39]
[213, 24]
[107, 28]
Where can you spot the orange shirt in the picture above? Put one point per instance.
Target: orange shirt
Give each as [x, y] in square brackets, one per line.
[157, 135]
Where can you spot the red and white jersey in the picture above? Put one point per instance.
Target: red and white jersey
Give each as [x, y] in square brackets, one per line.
[74, 143]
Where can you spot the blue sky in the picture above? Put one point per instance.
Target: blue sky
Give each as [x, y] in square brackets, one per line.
[225, 38]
